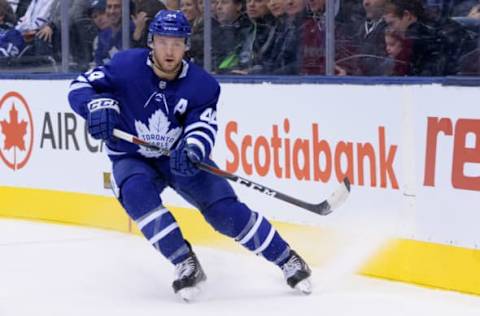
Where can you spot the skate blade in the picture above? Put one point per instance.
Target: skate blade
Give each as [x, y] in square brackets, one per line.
[304, 286]
[188, 294]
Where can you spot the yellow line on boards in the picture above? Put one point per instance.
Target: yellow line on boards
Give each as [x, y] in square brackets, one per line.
[429, 264]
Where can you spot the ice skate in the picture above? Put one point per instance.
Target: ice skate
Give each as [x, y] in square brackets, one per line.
[297, 273]
[188, 275]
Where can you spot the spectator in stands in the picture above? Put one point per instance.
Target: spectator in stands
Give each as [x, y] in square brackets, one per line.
[11, 40]
[191, 10]
[282, 58]
[350, 16]
[457, 36]
[48, 38]
[84, 25]
[7, 14]
[457, 41]
[233, 30]
[460, 7]
[83, 32]
[213, 8]
[34, 19]
[312, 47]
[276, 25]
[196, 40]
[97, 13]
[277, 10]
[19, 7]
[370, 39]
[474, 12]
[398, 54]
[434, 8]
[469, 56]
[172, 4]
[13, 4]
[110, 39]
[256, 42]
[276, 7]
[407, 17]
[145, 10]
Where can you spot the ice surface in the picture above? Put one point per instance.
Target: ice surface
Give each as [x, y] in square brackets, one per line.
[49, 270]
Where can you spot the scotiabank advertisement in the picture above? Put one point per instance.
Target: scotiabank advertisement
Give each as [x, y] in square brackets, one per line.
[412, 153]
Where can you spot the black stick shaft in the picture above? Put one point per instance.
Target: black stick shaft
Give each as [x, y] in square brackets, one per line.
[323, 208]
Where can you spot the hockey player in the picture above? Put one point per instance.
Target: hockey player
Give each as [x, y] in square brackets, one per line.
[158, 96]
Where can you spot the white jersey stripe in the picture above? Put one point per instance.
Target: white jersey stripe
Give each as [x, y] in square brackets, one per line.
[252, 231]
[201, 125]
[266, 242]
[200, 145]
[163, 233]
[113, 152]
[81, 78]
[152, 216]
[79, 85]
[203, 135]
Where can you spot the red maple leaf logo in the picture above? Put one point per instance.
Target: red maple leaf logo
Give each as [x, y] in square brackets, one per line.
[14, 131]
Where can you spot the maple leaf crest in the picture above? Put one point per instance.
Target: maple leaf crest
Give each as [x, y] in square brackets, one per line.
[158, 133]
[14, 131]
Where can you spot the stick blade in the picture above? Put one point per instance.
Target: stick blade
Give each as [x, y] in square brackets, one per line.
[340, 195]
[335, 200]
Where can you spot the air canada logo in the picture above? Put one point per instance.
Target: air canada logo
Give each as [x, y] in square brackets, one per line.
[16, 131]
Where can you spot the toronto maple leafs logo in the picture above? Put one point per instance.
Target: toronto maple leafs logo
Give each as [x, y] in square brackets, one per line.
[157, 132]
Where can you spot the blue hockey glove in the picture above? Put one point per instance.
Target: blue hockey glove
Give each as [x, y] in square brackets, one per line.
[103, 115]
[184, 158]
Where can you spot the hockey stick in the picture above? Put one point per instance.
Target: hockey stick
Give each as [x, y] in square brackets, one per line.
[323, 208]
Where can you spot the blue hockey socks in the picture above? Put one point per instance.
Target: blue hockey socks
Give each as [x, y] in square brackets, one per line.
[234, 219]
[140, 198]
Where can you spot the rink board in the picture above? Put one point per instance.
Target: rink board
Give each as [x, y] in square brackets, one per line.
[413, 160]
[428, 264]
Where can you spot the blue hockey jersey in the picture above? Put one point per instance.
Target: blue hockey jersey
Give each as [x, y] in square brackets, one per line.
[158, 111]
[11, 41]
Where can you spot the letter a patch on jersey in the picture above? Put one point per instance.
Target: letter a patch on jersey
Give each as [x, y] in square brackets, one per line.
[181, 106]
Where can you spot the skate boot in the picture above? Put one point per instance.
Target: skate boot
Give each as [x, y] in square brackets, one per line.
[188, 274]
[297, 273]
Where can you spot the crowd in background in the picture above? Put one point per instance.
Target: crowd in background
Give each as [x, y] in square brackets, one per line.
[273, 37]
